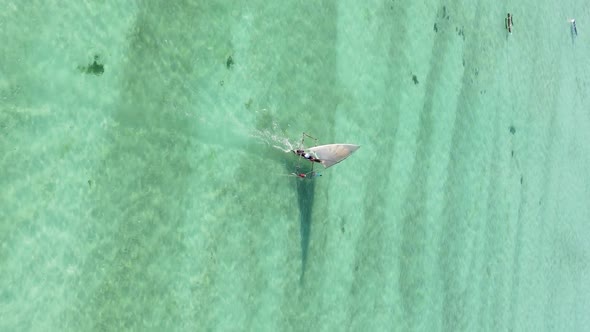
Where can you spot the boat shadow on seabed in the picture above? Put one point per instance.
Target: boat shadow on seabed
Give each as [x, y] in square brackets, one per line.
[305, 196]
[327, 155]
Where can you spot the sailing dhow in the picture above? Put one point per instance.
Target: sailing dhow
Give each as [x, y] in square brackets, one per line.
[328, 155]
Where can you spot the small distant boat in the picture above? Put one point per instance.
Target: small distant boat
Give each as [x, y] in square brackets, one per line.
[574, 28]
[508, 22]
[328, 155]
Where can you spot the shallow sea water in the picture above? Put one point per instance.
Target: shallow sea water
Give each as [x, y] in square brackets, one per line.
[144, 183]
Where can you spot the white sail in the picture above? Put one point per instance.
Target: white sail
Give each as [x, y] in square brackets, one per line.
[332, 154]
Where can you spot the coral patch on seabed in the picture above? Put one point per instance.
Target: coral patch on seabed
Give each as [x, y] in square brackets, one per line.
[95, 67]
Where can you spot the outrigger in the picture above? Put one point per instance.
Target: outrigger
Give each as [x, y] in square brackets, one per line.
[328, 155]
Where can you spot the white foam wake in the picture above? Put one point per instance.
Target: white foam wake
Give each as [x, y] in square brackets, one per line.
[275, 137]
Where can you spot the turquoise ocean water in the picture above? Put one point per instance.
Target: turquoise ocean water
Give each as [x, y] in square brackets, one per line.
[144, 184]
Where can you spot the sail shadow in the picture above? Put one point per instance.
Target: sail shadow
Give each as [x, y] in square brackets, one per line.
[305, 193]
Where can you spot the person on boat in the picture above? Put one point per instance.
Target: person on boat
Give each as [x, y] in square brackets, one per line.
[509, 23]
[574, 29]
[307, 156]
